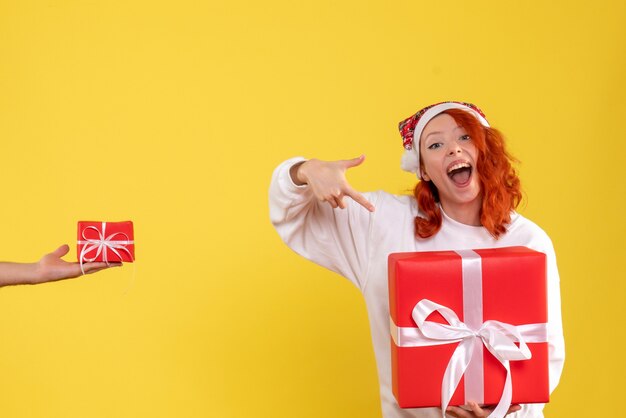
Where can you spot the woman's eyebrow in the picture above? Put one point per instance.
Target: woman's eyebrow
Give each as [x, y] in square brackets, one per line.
[458, 127]
[432, 133]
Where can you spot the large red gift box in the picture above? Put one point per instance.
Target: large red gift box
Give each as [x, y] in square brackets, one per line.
[504, 284]
[111, 242]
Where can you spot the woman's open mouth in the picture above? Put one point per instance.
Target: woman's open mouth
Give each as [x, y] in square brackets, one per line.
[460, 173]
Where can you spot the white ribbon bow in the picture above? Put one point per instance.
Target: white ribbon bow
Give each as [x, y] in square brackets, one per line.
[500, 339]
[102, 245]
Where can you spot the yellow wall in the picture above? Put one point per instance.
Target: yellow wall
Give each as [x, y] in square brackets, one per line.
[173, 115]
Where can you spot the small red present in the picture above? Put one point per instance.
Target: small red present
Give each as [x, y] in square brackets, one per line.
[110, 242]
[469, 326]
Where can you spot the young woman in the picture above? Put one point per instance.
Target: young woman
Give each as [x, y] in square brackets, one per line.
[465, 200]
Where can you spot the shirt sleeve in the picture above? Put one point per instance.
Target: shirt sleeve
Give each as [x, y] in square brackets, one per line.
[556, 341]
[333, 238]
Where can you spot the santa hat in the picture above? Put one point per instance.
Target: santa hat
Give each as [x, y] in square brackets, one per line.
[411, 130]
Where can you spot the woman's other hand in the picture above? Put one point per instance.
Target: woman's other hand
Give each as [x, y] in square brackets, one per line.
[476, 411]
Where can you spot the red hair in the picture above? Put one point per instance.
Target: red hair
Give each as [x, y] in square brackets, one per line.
[499, 184]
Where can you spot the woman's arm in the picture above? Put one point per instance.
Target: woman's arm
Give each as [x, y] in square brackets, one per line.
[304, 196]
[48, 269]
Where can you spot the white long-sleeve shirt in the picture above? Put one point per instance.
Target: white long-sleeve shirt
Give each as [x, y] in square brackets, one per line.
[355, 243]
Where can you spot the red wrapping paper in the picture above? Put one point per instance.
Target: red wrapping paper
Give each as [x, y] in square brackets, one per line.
[514, 291]
[105, 241]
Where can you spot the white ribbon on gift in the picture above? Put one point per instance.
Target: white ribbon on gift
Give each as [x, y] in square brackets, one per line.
[102, 245]
[500, 339]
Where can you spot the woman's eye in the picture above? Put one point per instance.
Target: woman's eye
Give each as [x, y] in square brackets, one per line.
[435, 145]
[465, 138]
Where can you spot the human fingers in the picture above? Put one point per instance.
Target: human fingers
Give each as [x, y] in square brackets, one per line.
[513, 408]
[331, 195]
[456, 412]
[353, 162]
[360, 199]
[332, 201]
[94, 269]
[340, 201]
[97, 266]
[477, 410]
[61, 251]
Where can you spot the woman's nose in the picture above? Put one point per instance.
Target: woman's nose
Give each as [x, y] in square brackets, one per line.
[454, 149]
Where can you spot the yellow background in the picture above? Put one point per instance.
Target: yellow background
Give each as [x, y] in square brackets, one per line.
[174, 114]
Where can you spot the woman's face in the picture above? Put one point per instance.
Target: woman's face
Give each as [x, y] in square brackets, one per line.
[449, 161]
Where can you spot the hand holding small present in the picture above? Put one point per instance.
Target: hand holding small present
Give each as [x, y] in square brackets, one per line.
[51, 267]
[476, 411]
